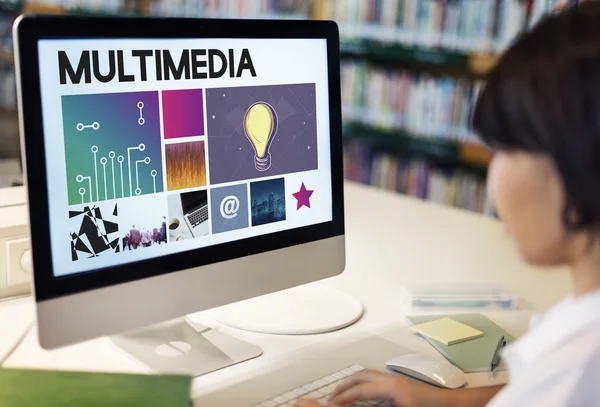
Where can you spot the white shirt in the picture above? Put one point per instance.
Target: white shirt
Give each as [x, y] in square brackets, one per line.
[556, 364]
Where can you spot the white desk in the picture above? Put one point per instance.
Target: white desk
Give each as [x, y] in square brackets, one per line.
[391, 240]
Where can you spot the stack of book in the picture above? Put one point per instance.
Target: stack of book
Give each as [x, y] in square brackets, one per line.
[10, 5]
[100, 6]
[263, 9]
[420, 104]
[415, 177]
[466, 25]
[8, 94]
[7, 72]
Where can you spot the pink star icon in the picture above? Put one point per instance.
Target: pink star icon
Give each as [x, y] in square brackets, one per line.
[303, 197]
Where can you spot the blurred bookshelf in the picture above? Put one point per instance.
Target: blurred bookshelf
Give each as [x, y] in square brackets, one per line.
[411, 72]
[416, 175]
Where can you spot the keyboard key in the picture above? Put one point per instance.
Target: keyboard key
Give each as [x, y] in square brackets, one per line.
[300, 391]
[290, 396]
[320, 389]
[280, 400]
[329, 379]
[316, 394]
[328, 389]
[310, 387]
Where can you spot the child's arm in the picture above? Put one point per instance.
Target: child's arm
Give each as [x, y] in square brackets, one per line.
[402, 391]
[476, 397]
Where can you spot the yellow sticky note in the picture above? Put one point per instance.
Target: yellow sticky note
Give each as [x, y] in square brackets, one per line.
[448, 331]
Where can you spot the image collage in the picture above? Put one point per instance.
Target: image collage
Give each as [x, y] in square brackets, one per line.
[153, 168]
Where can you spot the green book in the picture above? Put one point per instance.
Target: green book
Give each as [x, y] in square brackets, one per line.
[31, 388]
[474, 355]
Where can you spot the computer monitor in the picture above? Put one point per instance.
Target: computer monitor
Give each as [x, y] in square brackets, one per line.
[176, 165]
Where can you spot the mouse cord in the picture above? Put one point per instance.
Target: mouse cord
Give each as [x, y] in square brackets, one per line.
[17, 343]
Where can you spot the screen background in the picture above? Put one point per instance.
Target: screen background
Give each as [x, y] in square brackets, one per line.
[277, 62]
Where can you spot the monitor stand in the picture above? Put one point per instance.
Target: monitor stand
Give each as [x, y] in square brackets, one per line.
[186, 346]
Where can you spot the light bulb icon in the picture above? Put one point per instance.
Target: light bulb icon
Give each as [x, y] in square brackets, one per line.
[260, 126]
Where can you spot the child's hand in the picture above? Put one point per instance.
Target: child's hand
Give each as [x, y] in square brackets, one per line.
[372, 385]
[396, 389]
[308, 403]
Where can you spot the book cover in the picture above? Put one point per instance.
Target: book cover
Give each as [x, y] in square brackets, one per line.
[23, 387]
[451, 24]
[401, 177]
[475, 355]
[423, 180]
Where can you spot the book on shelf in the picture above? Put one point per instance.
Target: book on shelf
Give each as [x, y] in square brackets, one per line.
[464, 25]
[281, 9]
[104, 6]
[417, 103]
[415, 177]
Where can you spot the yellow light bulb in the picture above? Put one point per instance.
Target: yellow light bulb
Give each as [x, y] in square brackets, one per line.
[260, 125]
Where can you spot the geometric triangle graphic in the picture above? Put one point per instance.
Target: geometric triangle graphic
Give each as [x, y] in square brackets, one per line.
[111, 227]
[86, 241]
[73, 252]
[98, 231]
[101, 228]
[87, 226]
[81, 246]
[115, 243]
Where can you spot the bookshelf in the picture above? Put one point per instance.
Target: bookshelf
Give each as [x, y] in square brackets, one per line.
[6, 58]
[470, 156]
[411, 73]
[386, 52]
[10, 6]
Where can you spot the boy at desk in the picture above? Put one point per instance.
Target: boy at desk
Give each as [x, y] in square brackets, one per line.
[540, 112]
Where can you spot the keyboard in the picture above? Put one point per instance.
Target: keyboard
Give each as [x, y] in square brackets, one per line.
[198, 216]
[320, 389]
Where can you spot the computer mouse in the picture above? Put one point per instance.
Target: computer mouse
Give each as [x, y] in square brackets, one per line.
[430, 370]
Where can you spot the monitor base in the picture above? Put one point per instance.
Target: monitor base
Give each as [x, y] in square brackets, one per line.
[309, 309]
[179, 347]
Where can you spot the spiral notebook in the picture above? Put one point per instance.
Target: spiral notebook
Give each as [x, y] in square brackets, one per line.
[474, 355]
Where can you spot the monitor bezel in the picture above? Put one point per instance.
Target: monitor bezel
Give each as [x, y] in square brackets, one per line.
[30, 29]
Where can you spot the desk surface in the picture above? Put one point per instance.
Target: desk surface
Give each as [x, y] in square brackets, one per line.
[391, 240]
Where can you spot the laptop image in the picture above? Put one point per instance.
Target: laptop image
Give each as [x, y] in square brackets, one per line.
[195, 212]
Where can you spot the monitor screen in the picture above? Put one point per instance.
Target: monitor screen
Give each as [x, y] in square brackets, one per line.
[161, 146]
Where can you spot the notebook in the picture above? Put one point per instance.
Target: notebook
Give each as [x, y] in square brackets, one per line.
[474, 355]
[448, 331]
[23, 387]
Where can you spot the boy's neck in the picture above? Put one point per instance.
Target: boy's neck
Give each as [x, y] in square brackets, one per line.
[585, 272]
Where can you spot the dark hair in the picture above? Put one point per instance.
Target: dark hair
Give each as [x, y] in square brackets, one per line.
[544, 97]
